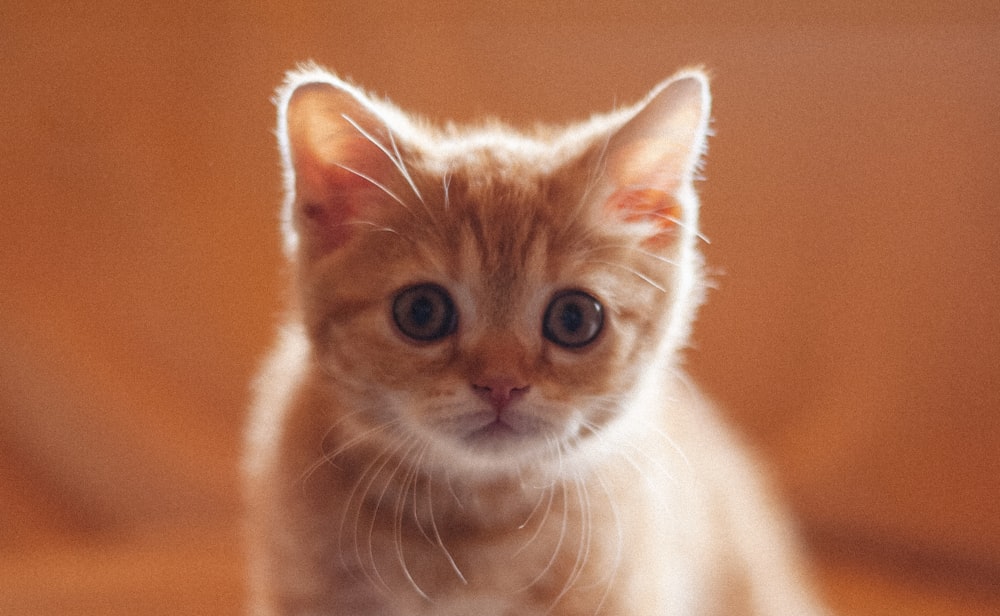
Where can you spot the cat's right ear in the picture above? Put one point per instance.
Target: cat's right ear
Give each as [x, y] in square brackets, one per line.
[331, 137]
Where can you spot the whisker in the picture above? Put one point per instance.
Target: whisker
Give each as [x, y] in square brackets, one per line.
[680, 223]
[437, 536]
[331, 456]
[446, 182]
[627, 247]
[396, 160]
[451, 490]
[653, 255]
[324, 457]
[669, 440]
[374, 577]
[638, 275]
[417, 517]
[583, 542]
[545, 516]
[534, 510]
[401, 165]
[375, 183]
[617, 449]
[397, 535]
[374, 227]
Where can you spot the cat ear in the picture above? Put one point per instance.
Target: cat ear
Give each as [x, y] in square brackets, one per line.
[334, 144]
[651, 161]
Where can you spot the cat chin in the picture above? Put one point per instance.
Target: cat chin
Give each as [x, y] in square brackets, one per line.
[511, 442]
[500, 438]
[485, 444]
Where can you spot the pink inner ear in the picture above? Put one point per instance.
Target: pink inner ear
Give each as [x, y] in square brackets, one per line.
[331, 194]
[342, 170]
[325, 203]
[646, 205]
[326, 225]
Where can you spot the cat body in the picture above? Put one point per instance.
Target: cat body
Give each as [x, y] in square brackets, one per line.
[475, 405]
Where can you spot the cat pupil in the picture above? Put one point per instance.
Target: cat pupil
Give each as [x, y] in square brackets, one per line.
[421, 312]
[572, 318]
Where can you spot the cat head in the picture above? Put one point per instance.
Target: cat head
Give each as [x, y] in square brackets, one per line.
[497, 298]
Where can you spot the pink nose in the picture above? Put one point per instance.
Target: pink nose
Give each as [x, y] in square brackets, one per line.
[500, 392]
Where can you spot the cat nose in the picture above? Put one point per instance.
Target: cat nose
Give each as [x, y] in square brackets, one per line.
[500, 391]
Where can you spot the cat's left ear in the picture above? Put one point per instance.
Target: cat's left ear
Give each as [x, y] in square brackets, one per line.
[651, 161]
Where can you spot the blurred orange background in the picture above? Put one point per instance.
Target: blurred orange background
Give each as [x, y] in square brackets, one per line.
[851, 204]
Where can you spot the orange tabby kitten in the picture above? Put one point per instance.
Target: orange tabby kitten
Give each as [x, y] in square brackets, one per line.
[475, 406]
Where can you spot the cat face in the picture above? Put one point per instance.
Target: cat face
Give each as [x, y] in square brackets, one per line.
[491, 298]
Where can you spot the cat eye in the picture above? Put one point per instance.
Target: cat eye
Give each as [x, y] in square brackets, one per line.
[573, 319]
[424, 312]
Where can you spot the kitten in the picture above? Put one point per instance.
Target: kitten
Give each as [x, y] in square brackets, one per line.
[475, 405]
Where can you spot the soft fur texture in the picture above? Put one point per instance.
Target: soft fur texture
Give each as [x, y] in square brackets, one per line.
[536, 449]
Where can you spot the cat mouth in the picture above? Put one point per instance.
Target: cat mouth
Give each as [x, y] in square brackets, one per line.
[497, 429]
[491, 430]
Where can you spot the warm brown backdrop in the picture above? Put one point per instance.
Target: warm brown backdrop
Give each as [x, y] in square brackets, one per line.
[852, 205]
